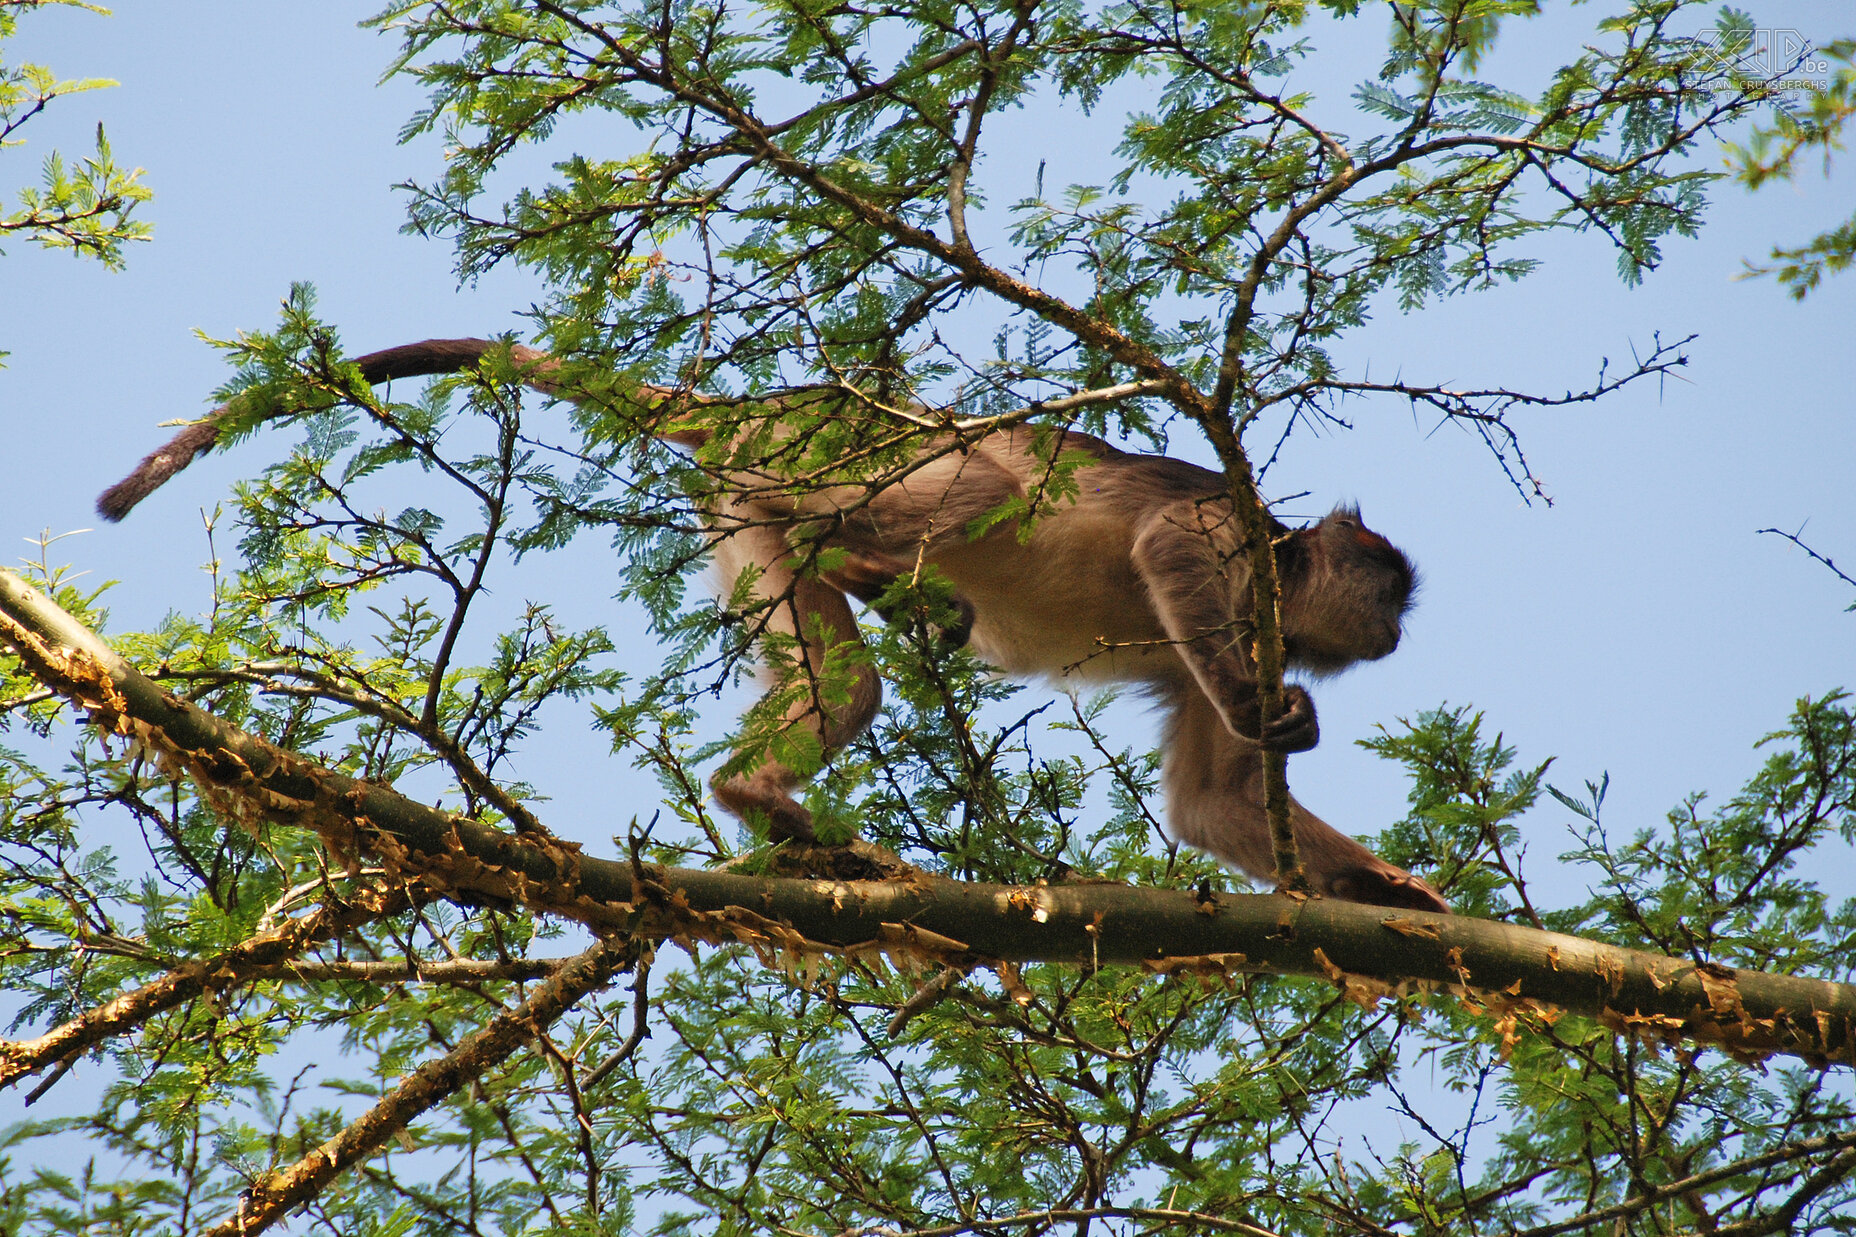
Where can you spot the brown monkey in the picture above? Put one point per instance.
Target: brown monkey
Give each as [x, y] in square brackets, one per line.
[1140, 579]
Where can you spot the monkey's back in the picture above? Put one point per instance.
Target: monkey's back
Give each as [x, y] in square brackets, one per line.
[1066, 601]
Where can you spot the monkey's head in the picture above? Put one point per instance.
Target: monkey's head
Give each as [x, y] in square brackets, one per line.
[1345, 592]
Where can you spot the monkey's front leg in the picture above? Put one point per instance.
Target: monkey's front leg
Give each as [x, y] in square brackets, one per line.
[1192, 590]
[1214, 791]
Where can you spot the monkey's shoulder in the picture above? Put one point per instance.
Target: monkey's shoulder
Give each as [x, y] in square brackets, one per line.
[1132, 485]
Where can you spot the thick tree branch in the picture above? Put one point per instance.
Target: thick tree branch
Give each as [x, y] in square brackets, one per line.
[1367, 951]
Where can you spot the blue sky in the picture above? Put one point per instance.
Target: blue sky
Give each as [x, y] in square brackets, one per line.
[1639, 625]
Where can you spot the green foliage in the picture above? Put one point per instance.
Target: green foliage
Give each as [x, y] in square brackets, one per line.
[813, 160]
[1776, 151]
[1464, 806]
[88, 207]
[805, 231]
[1762, 909]
[779, 1096]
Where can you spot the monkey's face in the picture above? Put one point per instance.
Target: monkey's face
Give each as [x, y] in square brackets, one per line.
[1345, 592]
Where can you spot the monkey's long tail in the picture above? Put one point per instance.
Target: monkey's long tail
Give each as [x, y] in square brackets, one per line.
[431, 356]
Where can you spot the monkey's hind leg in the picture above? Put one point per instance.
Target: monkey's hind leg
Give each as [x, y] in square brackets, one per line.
[1214, 789]
[832, 707]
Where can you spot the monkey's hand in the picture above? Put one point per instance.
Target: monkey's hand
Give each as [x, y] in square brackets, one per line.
[953, 628]
[959, 629]
[1294, 730]
[880, 583]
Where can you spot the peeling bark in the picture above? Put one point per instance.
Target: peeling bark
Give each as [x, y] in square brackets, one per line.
[1522, 975]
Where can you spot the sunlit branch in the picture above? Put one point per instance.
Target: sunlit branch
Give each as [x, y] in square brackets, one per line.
[272, 1196]
[264, 953]
[1367, 952]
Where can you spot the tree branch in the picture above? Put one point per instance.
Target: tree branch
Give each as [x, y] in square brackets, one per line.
[263, 953]
[269, 1198]
[1366, 951]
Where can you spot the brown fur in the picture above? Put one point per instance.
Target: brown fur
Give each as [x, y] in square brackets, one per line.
[1140, 578]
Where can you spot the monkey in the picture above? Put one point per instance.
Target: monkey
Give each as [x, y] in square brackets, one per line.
[1140, 577]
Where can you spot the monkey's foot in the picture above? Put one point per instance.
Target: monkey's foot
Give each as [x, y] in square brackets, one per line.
[1381, 884]
[753, 799]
